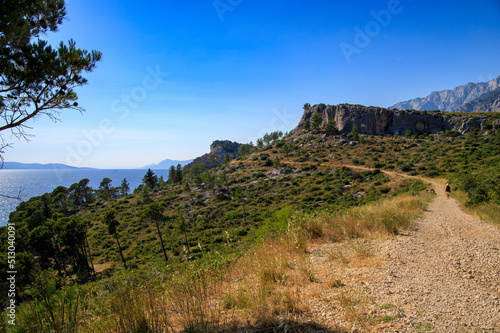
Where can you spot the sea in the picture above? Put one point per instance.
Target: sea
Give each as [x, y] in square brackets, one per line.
[31, 183]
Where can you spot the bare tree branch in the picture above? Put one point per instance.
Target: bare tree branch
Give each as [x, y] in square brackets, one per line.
[19, 196]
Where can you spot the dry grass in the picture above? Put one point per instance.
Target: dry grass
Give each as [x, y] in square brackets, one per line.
[269, 289]
[488, 212]
[382, 218]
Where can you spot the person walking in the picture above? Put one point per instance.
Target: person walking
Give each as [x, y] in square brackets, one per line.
[447, 190]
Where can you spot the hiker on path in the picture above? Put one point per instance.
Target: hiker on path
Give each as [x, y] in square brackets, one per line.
[447, 190]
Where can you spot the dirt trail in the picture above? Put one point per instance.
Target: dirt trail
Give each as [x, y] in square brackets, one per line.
[444, 276]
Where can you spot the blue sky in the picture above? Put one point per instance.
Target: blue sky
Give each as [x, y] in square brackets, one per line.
[176, 75]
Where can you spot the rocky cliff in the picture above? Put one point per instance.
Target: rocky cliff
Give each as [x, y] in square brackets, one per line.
[218, 150]
[449, 100]
[380, 121]
[489, 102]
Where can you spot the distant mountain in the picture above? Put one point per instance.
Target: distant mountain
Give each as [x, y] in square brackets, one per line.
[449, 100]
[488, 102]
[37, 166]
[166, 164]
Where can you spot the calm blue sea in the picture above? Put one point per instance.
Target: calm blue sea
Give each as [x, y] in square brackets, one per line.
[37, 182]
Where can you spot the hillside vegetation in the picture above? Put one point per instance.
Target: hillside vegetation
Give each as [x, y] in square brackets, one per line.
[214, 249]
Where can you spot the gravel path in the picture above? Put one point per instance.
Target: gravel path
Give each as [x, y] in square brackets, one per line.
[444, 276]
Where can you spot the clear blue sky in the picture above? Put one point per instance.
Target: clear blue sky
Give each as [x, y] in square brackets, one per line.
[176, 75]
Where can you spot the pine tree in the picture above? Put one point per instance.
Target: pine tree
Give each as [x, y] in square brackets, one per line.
[106, 191]
[125, 187]
[172, 175]
[150, 180]
[35, 78]
[354, 133]
[154, 212]
[276, 162]
[227, 159]
[307, 125]
[112, 223]
[316, 121]
[330, 127]
[178, 174]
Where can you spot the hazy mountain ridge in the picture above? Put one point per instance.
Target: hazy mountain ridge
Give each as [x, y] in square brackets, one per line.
[37, 166]
[166, 164]
[488, 102]
[449, 100]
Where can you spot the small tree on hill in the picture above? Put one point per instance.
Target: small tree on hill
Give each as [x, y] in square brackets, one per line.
[276, 163]
[197, 169]
[172, 175]
[307, 125]
[125, 187]
[240, 195]
[213, 160]
[150, 179]
[85, 191]
[227, 158]
[316, 121]
[246, 148]
[112, 223]
[354, 133]
[183, 228]
[286, 150]
[178, 173]
[154, 212]
[330, 127]
[106, 191]
[260, 143]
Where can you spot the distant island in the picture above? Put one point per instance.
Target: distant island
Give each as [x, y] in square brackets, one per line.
[37, 166]
[166, 164]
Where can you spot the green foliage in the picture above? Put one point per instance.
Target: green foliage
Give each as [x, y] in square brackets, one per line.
[106, 191]
[275, 224]
[227, 159]
[35, 78]
[331, 127]
[307, 125]
[50, 309]
[246, 149]
[111, 221]
[150, 180]
[227, 146]
[175, 174]
[354, 133]
[154, 212]
[316, 121]
[233, 208]
[476, 188]
[124, 187]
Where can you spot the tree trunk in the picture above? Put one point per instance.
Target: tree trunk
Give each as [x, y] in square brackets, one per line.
[90, 256]
[186, 238]
[120, 249]
[161, 241]
[244, 212]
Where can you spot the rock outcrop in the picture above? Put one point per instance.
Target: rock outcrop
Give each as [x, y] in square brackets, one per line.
[218, 150]
[449, 100]
[380, 121]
